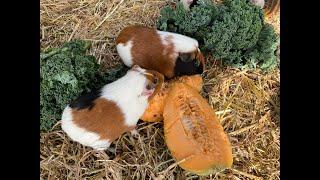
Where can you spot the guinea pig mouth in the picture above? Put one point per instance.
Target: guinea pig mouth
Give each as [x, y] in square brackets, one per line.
[147, 92]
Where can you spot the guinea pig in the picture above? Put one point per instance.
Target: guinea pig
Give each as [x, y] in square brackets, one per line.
[169, 53]
[98, 118]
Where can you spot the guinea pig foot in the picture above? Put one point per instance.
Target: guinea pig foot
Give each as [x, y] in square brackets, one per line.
[112, 150]
[134, 133]
[100, 148]
[100, 145]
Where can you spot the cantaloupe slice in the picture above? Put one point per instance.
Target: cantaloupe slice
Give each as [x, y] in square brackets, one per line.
[193, 132]
[155, 108]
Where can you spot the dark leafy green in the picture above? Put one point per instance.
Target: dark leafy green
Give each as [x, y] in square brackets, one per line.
[66, 73]
[234, 31]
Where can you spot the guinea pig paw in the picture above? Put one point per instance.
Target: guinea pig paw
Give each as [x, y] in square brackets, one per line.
[112, 150]
[134, 133]
[100, 148]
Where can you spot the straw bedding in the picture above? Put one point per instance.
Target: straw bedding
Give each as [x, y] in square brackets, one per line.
[247, 103]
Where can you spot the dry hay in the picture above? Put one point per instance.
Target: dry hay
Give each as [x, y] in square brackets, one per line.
[247, 103]
[98, 21]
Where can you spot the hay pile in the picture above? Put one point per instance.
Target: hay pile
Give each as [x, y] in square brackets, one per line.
[98, 21]
[247, 103]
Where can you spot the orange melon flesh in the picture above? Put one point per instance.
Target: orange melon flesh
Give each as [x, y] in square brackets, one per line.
[154, 110]
[193, 132]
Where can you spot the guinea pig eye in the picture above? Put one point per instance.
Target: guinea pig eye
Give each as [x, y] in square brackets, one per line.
[197, 63]
[155, 80]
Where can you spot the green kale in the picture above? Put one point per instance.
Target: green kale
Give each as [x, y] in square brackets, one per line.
[184, 22]
[233, 31]
[66, 73]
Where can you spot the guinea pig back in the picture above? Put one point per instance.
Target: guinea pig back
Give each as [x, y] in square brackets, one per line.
[98, 118]
[169, 53]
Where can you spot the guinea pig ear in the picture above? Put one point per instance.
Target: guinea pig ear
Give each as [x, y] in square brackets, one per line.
[135, 67]
[201, 59]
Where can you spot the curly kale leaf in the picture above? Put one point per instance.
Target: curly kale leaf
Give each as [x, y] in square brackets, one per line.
[265, 49]
[66, 73]
[232, 31]
[180, 20]
[167, 19]
[236, 28]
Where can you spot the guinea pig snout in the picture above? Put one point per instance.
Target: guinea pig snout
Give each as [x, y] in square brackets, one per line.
[150, 86]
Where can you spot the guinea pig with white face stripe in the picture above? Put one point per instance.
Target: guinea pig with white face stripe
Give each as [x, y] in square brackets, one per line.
[169, 53]
[98, 118]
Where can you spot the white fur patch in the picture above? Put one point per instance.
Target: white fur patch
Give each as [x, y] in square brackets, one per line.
[181, 42]
[124, 51]
[126, 93]
[81, 135]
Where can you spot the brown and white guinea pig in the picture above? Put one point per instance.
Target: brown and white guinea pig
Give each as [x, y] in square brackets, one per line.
[98, 118]
[168, 53]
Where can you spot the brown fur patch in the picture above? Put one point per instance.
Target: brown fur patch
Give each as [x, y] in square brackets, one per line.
[105, 119]
[147, 49]
[200, 58]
